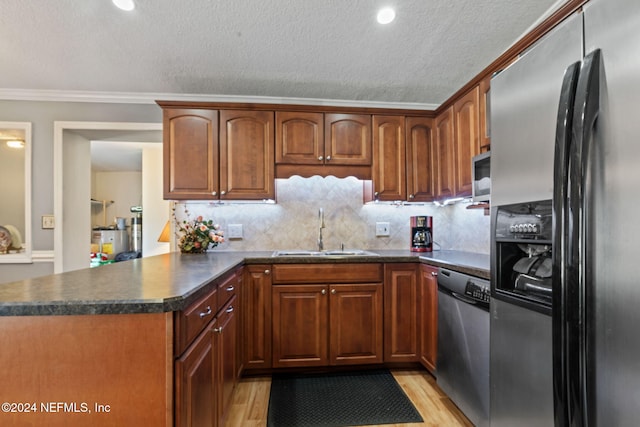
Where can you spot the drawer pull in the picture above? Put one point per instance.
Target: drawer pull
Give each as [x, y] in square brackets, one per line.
[231, 288]
[323, 292]
[206, 313]
[230, 309]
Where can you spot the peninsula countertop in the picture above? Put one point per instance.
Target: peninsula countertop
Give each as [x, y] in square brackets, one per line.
[172, 281]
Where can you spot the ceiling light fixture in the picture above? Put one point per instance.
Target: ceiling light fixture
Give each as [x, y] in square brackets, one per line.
[18, 143]
[127, 5]
[386, 15]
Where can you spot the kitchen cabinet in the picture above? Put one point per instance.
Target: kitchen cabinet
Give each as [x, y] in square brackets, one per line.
[211, 154]
[256, 292]
[226, 347]
[389, 175]
[466, 139]
[421, 159]
[327, 314]
[401, 326]
[428, 316]
[316, 143]
[247, 155]
[444, 144]
[190, 153]
[485, 115]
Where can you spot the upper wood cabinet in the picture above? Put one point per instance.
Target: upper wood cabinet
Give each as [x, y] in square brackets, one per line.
[467, 139]
[444, 161]
[421, 155]
[347, 139]
[485, 115]
[389, 158]
[299, 138]
[246, 155]
[190, 153]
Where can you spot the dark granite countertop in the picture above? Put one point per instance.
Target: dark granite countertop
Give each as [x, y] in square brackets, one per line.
[171, 282]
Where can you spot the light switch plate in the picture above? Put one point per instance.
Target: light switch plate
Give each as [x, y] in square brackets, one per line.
[235, 231]
[48, 222]
[382, 229]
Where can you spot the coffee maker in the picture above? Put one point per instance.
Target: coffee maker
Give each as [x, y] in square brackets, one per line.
[421, 233]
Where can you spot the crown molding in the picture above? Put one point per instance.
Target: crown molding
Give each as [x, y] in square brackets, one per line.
[150, 98]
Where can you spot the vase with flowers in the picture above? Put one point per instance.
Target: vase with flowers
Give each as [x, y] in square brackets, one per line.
[197, 235]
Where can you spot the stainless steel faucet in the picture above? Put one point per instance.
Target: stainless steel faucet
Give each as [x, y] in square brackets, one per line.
[321, 226]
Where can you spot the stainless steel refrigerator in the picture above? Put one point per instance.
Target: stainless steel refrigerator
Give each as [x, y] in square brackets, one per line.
[565, 120]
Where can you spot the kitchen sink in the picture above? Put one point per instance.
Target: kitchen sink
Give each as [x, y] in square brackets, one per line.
[334, 254]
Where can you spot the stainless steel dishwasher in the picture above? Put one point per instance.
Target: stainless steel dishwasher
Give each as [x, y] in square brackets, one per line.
[462, 369]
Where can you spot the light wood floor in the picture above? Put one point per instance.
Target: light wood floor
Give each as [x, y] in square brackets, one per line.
[251, 402]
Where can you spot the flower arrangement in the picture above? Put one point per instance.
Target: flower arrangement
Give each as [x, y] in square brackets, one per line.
[198, 235]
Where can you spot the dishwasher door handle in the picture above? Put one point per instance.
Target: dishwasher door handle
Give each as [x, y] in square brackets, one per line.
[463, 298]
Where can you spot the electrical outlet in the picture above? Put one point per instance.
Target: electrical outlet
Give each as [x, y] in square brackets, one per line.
[48, 222]
[235, 231]
[382, 229]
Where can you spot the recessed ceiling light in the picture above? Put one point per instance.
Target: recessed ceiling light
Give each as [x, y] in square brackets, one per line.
[386, 15]
[127, 5]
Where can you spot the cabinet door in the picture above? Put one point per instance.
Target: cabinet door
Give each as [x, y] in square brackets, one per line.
[226, 347]
[467, 139]
[256, 292]
[401, 313]
[347, 139]
[485, 115]
[299, 138]
[190, 154]
[444, 154]
[389, 158]
[300, 322]
[195, 400]
[355, 330]
[421, 164]
[428, 316]
[246, 155]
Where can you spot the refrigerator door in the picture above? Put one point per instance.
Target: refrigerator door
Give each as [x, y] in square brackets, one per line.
[612, 26]
[524, 105]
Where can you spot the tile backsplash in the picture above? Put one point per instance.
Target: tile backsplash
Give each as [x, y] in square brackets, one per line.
[293, 222]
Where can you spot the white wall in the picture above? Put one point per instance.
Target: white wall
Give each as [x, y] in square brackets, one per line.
[123, 188]
[156, 211]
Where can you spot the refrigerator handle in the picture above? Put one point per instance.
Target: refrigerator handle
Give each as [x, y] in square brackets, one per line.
[559, 225]
[579, 282]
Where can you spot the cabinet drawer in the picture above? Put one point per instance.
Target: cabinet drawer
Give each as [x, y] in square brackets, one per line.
[191, 321]
[227, 289]
[327, 273]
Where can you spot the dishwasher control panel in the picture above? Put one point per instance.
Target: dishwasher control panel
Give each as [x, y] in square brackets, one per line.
[477, 291]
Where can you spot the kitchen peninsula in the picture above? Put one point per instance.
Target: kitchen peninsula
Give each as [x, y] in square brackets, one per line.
[107, 346]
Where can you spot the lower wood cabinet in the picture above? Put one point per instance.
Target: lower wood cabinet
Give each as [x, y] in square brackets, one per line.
[401, 323]
[256, 337]
[226, 342]
[428, 303]
[321, 325]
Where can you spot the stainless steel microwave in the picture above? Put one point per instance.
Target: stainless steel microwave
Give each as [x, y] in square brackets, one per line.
[481, 173]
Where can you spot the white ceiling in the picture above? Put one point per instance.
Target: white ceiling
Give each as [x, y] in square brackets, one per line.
[322, 50]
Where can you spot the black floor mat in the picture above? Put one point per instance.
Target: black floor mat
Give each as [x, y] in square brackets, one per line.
[338, 399]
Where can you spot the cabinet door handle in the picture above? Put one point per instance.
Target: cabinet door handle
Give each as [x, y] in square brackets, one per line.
[218, 330]
[333, 291]
[267, 272]
[328, 158]
[323, 292]
[222, 193]
[411, 196]
[230, 288]
[205, 313]
[434, 273]
[320, 158]
[230, 309]
[214, 193]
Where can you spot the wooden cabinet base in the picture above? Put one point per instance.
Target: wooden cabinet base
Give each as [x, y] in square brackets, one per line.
[87, 370]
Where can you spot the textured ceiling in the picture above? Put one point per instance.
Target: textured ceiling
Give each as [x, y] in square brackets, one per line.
[329, 49]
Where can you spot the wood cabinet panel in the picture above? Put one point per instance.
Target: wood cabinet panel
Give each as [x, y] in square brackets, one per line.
[247, 155]
[300, 322]
[428, 316]
[256, 292]
[347, 139]
[355, 330]
[485, 115]
[389, 158]
[299, 138]
[421, 159]
[190, 153]
[401, 329]
[467, 139]
[190, 322]
[328, 273]
[444, 130]
[226, 347]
